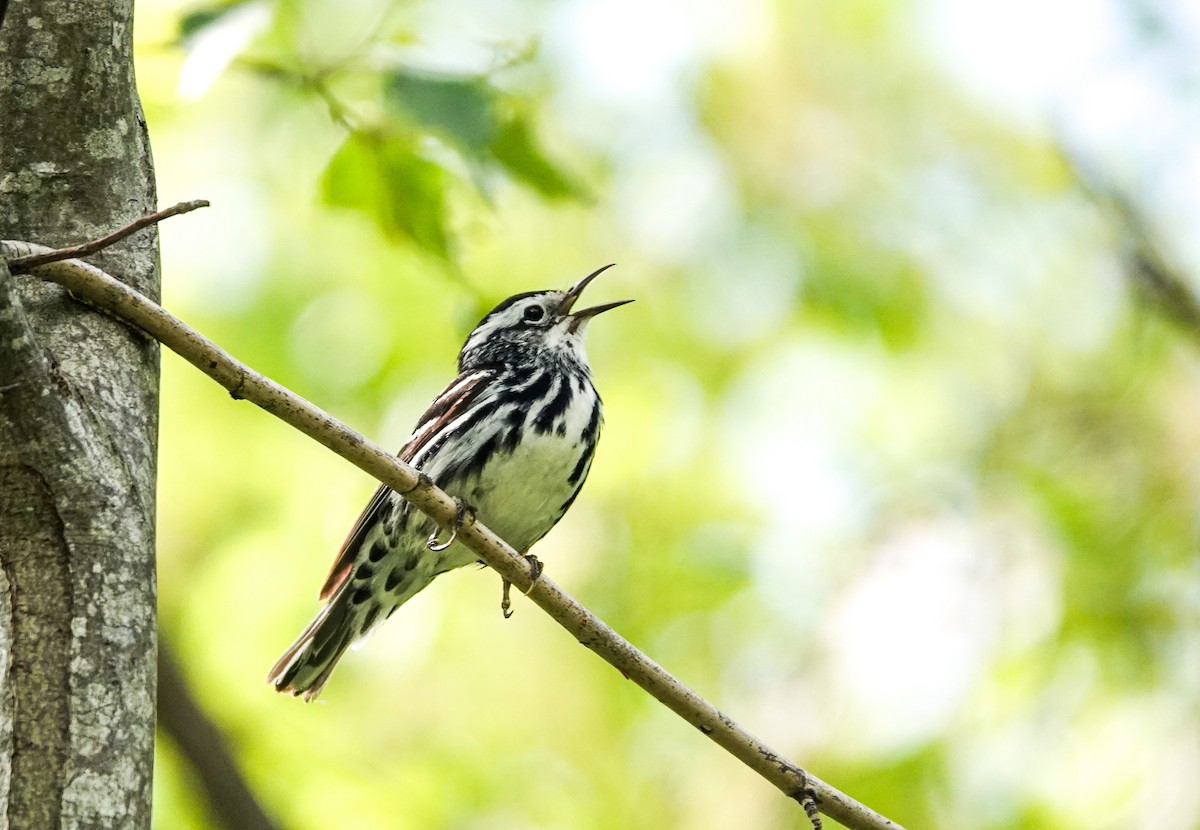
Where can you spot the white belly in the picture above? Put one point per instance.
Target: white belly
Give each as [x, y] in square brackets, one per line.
[522, 494]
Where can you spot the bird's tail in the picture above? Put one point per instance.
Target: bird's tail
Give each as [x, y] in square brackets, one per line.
[306, 665]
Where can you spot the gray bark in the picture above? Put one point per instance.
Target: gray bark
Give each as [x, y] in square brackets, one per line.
[78, 429]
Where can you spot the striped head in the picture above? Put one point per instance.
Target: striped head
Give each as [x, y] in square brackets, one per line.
[533, 327]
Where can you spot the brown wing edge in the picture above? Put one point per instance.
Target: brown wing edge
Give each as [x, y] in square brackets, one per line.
[454, 398]
[354, 539]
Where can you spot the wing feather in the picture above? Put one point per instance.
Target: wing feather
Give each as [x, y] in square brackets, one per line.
[454, 400]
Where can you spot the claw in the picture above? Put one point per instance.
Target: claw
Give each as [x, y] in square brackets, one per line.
[461, 511]
[505, 603]
[535, 565]
[437, 547]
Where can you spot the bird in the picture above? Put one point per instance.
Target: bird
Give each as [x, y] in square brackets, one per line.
[511, 438]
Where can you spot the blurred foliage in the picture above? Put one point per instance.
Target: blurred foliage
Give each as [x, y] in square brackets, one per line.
[897, 471]
[388, 109]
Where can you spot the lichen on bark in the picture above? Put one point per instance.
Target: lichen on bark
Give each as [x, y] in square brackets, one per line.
[78, 431]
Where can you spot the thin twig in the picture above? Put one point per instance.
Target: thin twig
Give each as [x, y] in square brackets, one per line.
[316, 83]
[1148, 268]
[101, 290]
[22, 265]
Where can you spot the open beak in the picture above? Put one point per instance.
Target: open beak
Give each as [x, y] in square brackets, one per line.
[581, 317]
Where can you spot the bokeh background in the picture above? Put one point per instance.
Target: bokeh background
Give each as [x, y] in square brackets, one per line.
[900, 462]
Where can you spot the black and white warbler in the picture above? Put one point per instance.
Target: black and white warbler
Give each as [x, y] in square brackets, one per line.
[512, 438]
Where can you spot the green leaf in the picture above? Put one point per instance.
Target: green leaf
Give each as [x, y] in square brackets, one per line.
[516, 150]
[383, 177]
[197, 20]
[461, 109]
[475, 117]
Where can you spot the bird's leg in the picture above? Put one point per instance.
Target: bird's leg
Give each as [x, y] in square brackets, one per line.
[535, 565]
[505, 603]
[461, 512]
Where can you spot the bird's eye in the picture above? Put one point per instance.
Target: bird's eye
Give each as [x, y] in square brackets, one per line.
[534, 313]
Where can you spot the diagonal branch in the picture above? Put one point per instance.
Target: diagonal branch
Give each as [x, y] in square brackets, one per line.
[202, 745]
[1158, 281]
[102, 291]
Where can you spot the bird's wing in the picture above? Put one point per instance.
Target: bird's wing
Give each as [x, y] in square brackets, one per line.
[455, 399]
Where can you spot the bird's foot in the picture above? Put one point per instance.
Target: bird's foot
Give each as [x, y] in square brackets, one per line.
[461, 512]
[535, 565]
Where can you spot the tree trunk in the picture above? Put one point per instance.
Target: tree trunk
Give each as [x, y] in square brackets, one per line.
[78, 429]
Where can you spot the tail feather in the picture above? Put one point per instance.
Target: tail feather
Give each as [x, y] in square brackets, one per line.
[306, 665]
